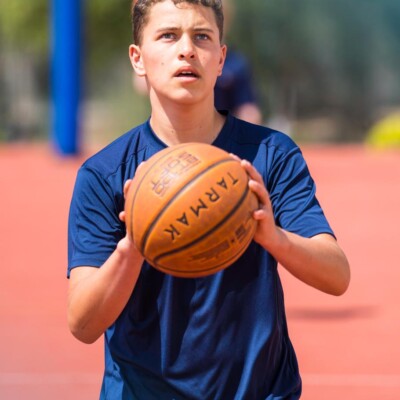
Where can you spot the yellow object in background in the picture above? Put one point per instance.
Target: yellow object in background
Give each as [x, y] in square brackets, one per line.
[385, 133]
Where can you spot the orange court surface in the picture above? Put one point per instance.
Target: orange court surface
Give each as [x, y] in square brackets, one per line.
[348, 347]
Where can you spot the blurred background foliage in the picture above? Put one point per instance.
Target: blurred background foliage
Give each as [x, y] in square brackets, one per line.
[326, 71]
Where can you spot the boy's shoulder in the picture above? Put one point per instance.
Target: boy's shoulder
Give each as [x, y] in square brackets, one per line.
[247, 134]
[132, 146]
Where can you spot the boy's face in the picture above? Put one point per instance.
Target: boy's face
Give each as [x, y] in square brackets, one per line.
[181, 54]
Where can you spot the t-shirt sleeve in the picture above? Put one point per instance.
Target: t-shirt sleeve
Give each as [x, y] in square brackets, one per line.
[94, 228]
[293, 196]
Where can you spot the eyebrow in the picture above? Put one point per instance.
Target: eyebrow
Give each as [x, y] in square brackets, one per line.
[200, 29]
[175, 28]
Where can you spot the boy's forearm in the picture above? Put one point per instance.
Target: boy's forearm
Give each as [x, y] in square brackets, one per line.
[97, 296]
[318, 261]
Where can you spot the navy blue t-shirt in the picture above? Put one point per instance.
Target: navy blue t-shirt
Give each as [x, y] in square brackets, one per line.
[222, 336]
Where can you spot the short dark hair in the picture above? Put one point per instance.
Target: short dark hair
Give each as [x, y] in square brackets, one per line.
[140, 10]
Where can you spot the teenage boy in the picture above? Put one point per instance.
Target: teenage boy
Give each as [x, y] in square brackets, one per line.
[223, 336]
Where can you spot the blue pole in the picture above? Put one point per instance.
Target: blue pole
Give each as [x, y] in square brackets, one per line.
[66, 74]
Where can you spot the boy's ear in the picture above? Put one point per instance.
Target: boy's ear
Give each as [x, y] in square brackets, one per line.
[135, 55]
[222, 59]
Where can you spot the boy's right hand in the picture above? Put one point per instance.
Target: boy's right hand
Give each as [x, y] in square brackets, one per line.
[126, 188]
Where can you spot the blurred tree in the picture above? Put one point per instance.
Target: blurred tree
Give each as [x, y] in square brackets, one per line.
[24, 25]
[336, 59]
[107, 37]
[23, 68]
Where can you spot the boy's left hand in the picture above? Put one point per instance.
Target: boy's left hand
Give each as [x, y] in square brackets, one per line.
[267, 231]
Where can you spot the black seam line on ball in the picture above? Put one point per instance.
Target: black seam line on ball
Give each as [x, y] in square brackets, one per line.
[168, 253]
[150, 227]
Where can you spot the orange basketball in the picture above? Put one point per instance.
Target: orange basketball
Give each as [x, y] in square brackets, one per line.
[189, 210]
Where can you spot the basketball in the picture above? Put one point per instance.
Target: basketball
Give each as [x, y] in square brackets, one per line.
[189, 210]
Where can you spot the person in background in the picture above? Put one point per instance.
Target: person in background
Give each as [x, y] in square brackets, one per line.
[235, 90]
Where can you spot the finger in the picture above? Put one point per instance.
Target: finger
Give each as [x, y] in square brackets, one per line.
[251, 171]
[234, 156]
[260, 214]
[126, 187]
[260, 191]
[140, 166]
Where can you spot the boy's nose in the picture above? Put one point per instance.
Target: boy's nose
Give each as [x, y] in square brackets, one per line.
[186, 49]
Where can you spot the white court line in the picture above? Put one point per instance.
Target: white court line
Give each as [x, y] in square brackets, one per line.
[369, 380]
[36, 379]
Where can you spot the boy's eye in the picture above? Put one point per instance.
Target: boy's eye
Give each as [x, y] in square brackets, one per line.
[167, 35]
[202, 36]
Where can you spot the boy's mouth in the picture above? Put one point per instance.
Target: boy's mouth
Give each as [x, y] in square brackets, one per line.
[187, 73]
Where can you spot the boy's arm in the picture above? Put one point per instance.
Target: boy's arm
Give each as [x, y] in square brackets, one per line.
[97, 296]
[317, 261]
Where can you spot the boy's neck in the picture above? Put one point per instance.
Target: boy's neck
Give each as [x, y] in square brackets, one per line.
[186, 124]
